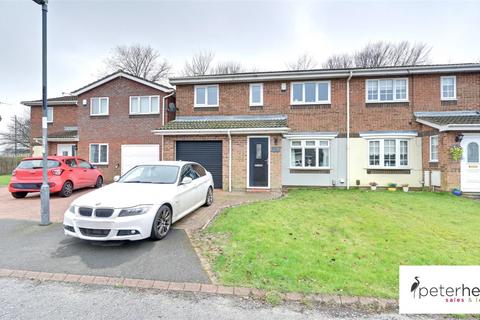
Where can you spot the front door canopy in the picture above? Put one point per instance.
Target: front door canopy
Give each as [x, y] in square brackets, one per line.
[450, 120]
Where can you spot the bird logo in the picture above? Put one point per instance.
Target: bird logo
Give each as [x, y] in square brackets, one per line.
[415, 286]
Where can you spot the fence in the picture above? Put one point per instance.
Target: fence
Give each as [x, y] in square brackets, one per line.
[7, 164]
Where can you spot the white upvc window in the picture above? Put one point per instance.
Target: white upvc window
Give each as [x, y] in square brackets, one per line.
[386, 90]
[144, 104]
[49, 114]
[99, 153]
[448, 87]
[311, 92]
[256, 94]
[206, 96]
[433, 148]
[388, 153]
[309, 154]
[99, 106]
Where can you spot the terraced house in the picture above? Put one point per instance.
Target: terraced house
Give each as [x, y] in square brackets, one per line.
[268, 130]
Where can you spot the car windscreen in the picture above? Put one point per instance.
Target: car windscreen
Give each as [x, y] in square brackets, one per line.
[151, 174]
[37, 164]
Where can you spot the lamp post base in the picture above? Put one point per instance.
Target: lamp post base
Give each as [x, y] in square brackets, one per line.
[45, 205]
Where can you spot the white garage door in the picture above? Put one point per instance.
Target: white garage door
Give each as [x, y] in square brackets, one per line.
[135, 154]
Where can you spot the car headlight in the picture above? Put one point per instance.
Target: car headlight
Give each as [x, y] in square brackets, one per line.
[72, 209]
[134, 211]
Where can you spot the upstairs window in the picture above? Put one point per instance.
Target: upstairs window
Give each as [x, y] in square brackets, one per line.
[387, 90]
[434, 149]
[317, 92]
[99, 106]
[49, 114]
[309, 154]
[256, 94]
[448, 88]
[145, 105]
[388, 153]
[206, 96]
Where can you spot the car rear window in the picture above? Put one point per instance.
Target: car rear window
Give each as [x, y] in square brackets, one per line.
[37, 164]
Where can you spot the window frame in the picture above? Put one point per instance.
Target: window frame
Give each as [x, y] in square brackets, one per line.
[206, 105]
[303, 146]
[255, 104]
[296, 103]
[139, 108]
[382, 153]
[395, 100]
[442, 98]
[99, 147]
[51, 109]
[99, 101]
[430, 148]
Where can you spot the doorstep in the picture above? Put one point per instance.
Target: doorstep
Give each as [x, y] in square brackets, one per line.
[375, 304]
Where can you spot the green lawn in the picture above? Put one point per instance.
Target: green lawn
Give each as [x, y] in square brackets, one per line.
[341, 242]
[4, 180]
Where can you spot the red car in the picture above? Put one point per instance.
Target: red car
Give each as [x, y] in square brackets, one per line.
[65, 174]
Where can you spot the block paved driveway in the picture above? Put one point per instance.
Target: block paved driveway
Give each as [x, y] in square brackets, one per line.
[27, 246]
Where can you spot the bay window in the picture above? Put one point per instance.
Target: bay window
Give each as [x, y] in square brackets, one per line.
[388, 153]
[315, 92]
[310, 154]
[387, 90]
[206, 96]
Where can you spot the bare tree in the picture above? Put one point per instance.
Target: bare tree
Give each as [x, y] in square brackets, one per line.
[17, 135]
[228, 68]
[199, 65]
[303, 62]
[382, 54]
[141, 61]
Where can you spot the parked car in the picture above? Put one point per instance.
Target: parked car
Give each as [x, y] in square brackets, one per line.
[65, 174]
[143, 203]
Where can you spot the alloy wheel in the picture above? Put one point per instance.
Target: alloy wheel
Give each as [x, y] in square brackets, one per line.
[163, 222]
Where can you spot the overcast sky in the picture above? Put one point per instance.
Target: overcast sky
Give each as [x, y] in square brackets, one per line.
[261, 34]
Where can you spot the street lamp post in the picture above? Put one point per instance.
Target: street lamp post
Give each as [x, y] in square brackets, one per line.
[45, 189]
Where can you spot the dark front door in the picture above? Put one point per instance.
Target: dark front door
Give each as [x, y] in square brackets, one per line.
[207, 153]
[258, 162]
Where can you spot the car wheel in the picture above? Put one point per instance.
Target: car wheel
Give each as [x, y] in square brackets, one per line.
[67, 189]
[162, 223]
[19, 195]
[99, 182]
[209, 199]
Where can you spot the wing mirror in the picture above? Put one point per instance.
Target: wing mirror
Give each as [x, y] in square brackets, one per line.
[186, 180]
[116, 178]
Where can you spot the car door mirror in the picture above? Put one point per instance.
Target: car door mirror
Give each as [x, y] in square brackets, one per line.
[116, 178]
[93, 167]
[186, 180]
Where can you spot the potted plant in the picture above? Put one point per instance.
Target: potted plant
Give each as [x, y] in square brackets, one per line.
[405, 187]
[456, 152]
[456, 191]
[392, 187]
[373, 185]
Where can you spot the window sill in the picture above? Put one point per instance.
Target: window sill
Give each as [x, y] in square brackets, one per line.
[433, 161]
[448, 99]
[389, 101]
[144, 114]
[310, 168]
[206, 106]
[309, 103]
[256, 105]
[99, 115]
[99, 164]
[388, 170]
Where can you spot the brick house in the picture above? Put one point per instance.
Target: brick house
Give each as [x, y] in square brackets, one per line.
[107, 122]
[347, 127]
[268, 130]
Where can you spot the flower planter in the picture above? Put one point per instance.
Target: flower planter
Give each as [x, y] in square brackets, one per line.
[457, 192]
[373, 188]
[405, 189]
[392, 189]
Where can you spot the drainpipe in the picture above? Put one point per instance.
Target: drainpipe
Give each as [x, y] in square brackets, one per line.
[348, 129]
[229, 161]
[163, 116]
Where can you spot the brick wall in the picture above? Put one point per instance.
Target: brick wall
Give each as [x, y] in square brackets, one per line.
[118, 127]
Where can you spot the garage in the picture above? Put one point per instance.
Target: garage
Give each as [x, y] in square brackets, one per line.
[135, 154]
[207, 153]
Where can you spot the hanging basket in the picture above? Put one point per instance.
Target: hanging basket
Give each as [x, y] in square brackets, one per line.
[456, 152]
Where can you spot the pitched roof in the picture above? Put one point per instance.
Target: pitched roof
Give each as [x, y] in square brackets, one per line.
[64, 100]
[450, 120]
[123, 74]
[226, 122]
[65, 135]
[327, 73]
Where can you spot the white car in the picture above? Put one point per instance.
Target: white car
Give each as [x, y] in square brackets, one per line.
[143, 203]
